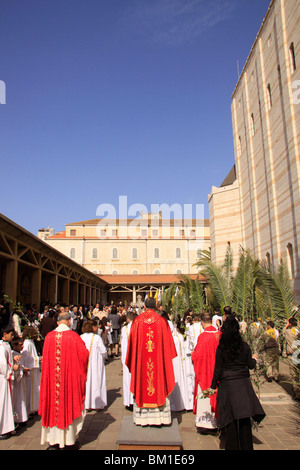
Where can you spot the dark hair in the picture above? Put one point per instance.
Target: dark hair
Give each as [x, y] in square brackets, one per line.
[114, 310]
[227, 310]
[270, 323]
[87, 327]
[293, 321]
[231, 341]
[150, 302]
[206, 317]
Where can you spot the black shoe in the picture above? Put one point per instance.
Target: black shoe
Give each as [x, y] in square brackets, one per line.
[5, 436]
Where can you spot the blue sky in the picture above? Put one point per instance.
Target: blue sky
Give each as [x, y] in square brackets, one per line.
[109, 98]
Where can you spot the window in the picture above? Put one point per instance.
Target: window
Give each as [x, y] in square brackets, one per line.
[252, 125]
[239, 146]
[134, 253]
[94, 253]
[73, 233]
[114, 232]
[144, 233]
[72, 253]
[268, 260]
[193, 233]
[269, 96]
[155, 233]
[290, 260]
[103, 233]
[178, 271]
[156, 252]
[114, 253]
[115, 272]
[135, 272]
[292, 58]
[178, 253]
[157, 271]
[181, 233]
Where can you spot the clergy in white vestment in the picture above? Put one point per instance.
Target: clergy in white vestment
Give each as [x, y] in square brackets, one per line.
[125, 331]
[96, 391]
[31, 361]
[179, 396]
[19, 387]
[7, 424]
[194, 330]
[190, 374]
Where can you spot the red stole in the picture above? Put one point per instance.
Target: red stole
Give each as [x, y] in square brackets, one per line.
[63, 379]
[203, 359]
[149, 360]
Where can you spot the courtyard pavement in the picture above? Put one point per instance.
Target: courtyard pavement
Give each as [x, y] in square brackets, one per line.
[280, 430]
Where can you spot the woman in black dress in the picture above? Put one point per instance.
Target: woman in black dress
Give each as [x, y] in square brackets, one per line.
[237, 401]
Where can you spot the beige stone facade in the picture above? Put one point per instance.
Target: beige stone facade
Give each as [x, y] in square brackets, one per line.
[148, 245]
[266, 128]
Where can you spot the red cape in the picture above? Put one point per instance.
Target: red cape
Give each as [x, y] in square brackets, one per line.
[63, 379]
[203, 359]
[149, 359]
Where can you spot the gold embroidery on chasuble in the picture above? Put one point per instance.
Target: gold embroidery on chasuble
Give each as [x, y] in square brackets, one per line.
[150, 378]
[58, 340]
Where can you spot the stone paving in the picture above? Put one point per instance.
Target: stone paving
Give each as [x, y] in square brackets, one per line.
[280, 430]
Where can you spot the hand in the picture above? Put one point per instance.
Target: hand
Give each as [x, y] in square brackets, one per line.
[255, 356]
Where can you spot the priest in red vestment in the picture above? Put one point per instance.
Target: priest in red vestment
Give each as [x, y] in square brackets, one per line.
[149, 358]
[203, 359]
[63, 382]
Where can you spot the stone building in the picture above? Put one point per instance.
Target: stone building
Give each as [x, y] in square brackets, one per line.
[262, 201]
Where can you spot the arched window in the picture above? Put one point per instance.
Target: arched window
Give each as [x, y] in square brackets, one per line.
[290, 260]
[293, 58]
[156, 252]
[269, 96]
[134, 271]
[94, 253]
[268, 260]
[115, 272]
[178, 271]
[239, 146]
[178, 252]
[252, 125]
[114, 253]
[134, 253]
[157, 271]
[72, 253]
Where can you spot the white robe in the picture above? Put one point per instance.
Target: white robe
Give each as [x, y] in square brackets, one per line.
[33, 379]
[6, 373]
[190, 374]
[19, 393]
[194, 330]
[127, 395]
[96, 392]
[178, 397]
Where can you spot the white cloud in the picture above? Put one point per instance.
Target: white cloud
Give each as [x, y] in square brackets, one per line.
[175, 22]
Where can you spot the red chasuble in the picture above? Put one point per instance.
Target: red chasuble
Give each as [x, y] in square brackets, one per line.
[63, 379]
[203, 358]
[149, 359]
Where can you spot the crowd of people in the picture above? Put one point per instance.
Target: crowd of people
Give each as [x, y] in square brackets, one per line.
[209, 373]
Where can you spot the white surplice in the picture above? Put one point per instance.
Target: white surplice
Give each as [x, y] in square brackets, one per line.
[127, 395]
[96, 391]
[190, 374]
[178, 397]
[193, 331]
[19, 392]
[6, 374]
[31, 361]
